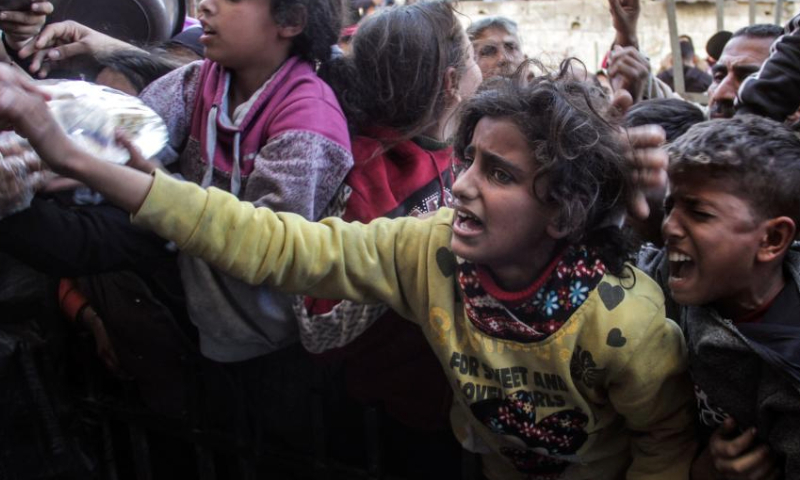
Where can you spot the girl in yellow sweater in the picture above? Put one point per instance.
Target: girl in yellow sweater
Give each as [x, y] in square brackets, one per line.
[561, 358]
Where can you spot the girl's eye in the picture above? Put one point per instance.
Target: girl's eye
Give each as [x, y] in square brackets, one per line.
[500, 176]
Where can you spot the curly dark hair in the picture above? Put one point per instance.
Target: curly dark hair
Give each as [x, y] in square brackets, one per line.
[323, 21]
[759, 156]
[578, 154]
[395, 75]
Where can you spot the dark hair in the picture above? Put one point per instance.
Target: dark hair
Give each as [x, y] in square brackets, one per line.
[761, 157]
[139, 67]
[759, 30]
[576, 151]
[674, 115]
[323, 19]
[687, 50]
[394, 76]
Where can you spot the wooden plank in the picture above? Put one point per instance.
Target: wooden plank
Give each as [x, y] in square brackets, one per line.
[677, 61]
[779, 12]
[700, 98]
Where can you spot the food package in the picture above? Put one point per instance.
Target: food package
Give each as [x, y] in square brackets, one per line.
[89, 114]
[20, 176]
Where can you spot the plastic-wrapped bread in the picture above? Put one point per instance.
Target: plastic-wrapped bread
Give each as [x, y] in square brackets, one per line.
[90, 114]
[21, 176]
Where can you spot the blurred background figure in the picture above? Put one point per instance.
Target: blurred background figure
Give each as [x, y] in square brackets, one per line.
[497, 45]
[695, 79]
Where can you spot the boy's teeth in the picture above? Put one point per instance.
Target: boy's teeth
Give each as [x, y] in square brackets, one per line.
[679, 257]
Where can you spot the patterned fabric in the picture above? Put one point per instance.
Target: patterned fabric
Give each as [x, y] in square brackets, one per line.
[337, 328]
[559, 434]
[710, 415]
[537, 312]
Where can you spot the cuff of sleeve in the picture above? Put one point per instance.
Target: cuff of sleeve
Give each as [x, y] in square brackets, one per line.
[172, 208]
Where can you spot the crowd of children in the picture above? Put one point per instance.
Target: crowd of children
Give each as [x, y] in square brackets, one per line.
[454, 227]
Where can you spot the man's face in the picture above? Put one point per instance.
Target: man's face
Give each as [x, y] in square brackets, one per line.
[497, 52]
[741, 57]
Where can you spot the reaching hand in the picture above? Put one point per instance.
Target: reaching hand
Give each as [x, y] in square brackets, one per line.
[20, 177]
[628, 69]
[23, 108]
[643, 149]
[736, 456]
[65, 40]
[625, 17]
[19, 27]
[137, 160]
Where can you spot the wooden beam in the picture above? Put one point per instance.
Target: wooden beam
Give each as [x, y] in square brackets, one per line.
[720, 15]
[677, 60]
[779, 12]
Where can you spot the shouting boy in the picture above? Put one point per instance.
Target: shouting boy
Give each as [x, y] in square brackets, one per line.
[731, 218]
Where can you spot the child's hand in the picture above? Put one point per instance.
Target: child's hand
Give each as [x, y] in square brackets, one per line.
[64, 40]
[736, 456]
[23, 108]
[137, 160]
[649, 160]
[20, 27]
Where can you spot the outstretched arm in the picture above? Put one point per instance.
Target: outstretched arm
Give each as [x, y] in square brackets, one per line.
[61, 41]
[23, 107]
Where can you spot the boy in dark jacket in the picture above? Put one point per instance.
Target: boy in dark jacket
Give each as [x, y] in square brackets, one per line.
[733, 282]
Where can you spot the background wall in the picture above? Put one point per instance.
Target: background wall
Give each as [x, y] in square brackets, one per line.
[554, 29]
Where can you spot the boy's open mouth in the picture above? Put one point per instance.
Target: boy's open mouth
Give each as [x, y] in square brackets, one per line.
[680, 265]
[466, 223]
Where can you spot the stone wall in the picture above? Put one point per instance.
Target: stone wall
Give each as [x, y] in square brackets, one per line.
[553, 29]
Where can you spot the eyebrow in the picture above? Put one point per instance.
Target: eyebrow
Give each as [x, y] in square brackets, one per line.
[505, 41]
[693, 202]
[745, 70]
[498, 161]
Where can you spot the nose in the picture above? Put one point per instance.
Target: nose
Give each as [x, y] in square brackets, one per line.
[671, 228]
[726, 89]
[464, 185]
[204, 7]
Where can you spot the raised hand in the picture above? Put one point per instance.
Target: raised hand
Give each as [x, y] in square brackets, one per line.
[20, 26]
[61, 41]
[625, 17]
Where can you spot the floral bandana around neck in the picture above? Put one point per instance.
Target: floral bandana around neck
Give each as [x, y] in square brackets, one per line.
[533, 314]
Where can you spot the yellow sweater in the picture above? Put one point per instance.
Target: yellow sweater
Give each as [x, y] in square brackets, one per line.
[605, 396]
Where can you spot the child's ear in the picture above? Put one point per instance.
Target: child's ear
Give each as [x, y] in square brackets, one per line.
[294, 22]
[451, 84]
[779, 234]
